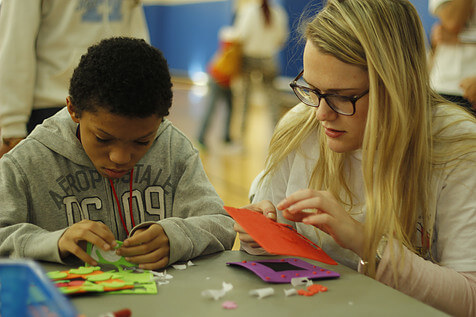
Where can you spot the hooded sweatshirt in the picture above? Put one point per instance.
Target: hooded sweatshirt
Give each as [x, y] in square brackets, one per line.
[48, 182]
[41, 42]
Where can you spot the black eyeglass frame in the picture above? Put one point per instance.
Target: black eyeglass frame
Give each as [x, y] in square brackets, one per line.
[353, 99]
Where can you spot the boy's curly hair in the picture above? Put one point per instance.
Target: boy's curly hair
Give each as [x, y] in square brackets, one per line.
[124, 76]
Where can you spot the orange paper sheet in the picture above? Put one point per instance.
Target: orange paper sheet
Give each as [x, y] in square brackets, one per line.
[277, 238]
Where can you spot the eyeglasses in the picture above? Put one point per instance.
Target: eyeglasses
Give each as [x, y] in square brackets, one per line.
[343, 105]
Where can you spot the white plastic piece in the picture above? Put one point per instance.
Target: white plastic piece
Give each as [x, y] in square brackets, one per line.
[301, 281]
[262, 292]
[290, 292]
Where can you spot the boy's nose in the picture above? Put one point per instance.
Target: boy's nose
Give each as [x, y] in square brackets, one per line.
[120, 156]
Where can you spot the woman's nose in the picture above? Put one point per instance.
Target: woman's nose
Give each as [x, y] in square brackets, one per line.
[324, 112]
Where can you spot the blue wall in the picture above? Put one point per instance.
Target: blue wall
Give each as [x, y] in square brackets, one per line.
[187, 33]
[291, 55]
[426, 18]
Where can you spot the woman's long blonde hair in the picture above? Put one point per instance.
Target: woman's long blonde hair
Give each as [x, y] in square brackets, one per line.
[400, 151]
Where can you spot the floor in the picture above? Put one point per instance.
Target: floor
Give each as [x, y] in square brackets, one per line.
[230, 168]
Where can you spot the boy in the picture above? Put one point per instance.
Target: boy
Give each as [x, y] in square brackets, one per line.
[109, 167]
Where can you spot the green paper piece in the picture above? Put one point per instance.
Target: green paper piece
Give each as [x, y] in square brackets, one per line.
[66, 290]
[115, 284]
[86, 283]
[61, 281]
[93, 288]
[133, 277]
[99, 277]
[84, 270]
[86, 287]
[148, 288]
[56, 275]
[109, 257]
[142, 281]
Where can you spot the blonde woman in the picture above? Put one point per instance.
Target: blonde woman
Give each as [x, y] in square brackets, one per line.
[373, 165]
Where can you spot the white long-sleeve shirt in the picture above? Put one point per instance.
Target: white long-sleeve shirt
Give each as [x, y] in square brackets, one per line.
[259, 40]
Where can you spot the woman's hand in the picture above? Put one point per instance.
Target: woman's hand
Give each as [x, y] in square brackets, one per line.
[266, 208]
[148, 247]
[322, 210]
[73, 240]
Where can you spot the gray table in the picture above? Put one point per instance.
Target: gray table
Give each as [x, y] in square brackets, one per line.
[352, 294]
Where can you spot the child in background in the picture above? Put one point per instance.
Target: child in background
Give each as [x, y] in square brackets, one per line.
[111, 166]
[223, 68]
[374, 166]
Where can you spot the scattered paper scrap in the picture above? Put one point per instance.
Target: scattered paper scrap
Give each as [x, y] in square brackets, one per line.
[229, 304]
[162, 278]
[289, 292]
[312, 290]
[179, 266]
[183, 266]
[262, 292]
[218, 293]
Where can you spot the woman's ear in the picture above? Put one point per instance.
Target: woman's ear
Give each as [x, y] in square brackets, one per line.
[71, 110]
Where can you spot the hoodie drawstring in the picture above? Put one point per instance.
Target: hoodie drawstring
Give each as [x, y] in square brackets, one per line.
[130, 203]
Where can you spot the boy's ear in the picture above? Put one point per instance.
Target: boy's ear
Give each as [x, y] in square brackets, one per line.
[71, 110]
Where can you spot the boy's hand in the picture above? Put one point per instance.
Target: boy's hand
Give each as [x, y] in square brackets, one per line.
[266, 208]
[148, 247]
[73, 240]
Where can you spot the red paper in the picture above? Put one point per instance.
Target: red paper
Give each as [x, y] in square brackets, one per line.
[277, 238]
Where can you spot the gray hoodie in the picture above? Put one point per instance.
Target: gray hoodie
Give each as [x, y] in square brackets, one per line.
[47, 183]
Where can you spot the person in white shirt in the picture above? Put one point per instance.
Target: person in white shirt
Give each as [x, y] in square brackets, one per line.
[41, 42]
[453, 71]
[374, 166]
[262, 28]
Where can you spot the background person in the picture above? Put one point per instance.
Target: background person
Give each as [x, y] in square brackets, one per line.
[220, 83]
[262, 28]
[41, 42]
[454, 56]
